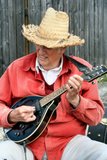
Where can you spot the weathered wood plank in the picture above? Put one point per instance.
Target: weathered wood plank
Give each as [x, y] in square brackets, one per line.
[4, 33]
[105, 33]
[19, 21]
[11, 30]
[1, 55]
[34, 16]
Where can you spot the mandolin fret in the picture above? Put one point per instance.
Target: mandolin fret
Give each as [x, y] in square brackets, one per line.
[52, 96]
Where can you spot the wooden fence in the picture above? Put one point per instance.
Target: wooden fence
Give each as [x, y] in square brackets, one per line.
[88, 19]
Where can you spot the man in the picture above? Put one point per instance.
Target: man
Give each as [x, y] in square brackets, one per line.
[41, 73]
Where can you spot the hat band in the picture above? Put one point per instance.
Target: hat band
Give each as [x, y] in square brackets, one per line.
[52, 36]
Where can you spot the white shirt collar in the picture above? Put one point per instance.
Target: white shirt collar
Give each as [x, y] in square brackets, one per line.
[38, 66]
[53, 73]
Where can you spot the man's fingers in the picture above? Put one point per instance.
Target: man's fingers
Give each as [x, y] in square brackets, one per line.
[74, 82]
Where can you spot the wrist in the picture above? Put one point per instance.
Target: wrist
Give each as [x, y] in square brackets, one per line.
[9, 117]
[75, 102]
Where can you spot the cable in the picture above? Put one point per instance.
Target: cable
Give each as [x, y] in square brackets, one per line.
[24, 147]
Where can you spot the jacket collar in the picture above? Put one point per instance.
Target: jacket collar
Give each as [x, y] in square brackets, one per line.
[31, 60]
[29, 63]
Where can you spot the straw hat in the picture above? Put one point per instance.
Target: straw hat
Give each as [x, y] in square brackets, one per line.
[52, 31]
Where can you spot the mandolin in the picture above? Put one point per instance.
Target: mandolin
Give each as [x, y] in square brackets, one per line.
[23, 132]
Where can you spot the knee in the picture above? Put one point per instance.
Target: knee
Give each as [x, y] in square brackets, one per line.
[101, 150]
[7, 149]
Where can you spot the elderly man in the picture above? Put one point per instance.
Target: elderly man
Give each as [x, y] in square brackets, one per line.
[66, 110]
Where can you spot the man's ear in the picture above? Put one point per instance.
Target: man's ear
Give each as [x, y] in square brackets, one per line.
[63, 49]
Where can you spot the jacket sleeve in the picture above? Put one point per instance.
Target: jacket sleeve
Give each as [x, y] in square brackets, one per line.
[91, 109]
[5, 99]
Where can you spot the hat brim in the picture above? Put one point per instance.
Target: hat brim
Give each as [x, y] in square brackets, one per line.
[30, 32]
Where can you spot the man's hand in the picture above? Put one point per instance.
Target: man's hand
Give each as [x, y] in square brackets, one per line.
[22, 114]
[73, 87]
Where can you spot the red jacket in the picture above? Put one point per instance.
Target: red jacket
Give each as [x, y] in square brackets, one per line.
[20, 80]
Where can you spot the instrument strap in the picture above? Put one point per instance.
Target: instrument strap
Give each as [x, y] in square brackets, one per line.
[83, 68]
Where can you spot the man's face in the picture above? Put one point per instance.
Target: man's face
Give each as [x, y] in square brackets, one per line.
[49, 58]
